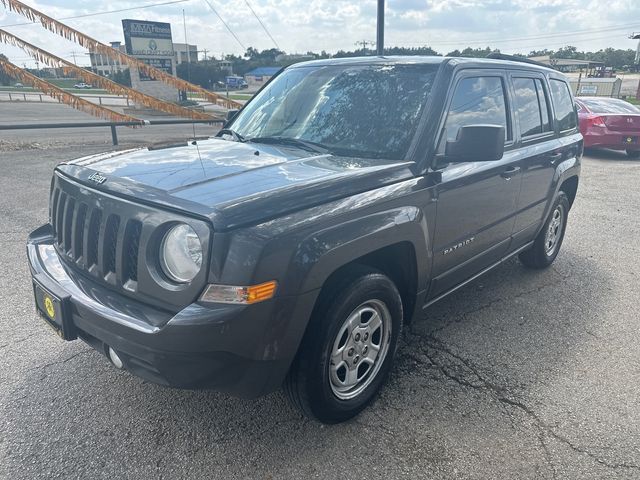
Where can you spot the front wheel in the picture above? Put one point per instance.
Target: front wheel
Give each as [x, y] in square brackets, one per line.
[348, 348]
[547, 244]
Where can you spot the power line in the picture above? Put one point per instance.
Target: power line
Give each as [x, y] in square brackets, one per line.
[537, 37]
[225, 24]
[263, 25]
[93, 14]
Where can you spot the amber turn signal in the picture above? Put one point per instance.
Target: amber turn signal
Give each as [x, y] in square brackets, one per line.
[239, 295]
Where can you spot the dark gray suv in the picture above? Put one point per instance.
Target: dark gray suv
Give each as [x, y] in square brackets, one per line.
[346, 196]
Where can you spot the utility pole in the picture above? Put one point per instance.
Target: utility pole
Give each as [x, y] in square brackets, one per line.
[363, 44]
[636, 36]
[380, 36]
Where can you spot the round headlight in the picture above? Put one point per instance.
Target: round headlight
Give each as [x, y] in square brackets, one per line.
[181, 253]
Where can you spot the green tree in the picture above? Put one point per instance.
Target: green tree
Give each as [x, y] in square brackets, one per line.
[5, 79]
[473, 52]
[204, 73]
[123, 77]
[570, 52]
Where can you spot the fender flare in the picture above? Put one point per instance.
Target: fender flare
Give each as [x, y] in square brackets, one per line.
[323, 252]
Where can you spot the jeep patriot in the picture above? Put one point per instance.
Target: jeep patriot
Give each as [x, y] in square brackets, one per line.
[289, 250]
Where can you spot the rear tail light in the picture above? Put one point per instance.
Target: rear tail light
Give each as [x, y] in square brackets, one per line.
[595, 121]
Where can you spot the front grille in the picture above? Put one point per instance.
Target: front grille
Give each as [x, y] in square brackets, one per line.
[95, 240]
[104, 236]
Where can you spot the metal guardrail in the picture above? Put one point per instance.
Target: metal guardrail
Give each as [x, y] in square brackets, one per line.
[112, 125]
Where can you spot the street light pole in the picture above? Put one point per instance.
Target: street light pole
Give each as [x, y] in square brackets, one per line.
[380, 39]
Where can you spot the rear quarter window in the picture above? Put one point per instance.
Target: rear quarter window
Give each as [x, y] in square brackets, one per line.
[563, 105]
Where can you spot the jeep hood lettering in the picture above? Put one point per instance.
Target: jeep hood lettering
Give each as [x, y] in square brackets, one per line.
[235, 183]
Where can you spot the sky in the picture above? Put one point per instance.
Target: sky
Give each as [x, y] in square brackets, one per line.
[298, 26]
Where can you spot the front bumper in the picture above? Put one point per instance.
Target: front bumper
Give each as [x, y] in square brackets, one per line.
[242, 350]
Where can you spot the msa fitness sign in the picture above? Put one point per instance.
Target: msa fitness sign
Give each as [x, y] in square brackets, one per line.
[147, 39]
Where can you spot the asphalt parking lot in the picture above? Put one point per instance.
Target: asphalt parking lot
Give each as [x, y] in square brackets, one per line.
[519, 375]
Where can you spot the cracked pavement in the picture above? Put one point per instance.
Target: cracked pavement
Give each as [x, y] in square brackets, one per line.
[521, 374]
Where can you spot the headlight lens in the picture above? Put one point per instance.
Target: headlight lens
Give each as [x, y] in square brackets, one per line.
[181, 253]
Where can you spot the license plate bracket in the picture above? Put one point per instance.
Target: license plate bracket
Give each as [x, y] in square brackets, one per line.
[54, 308]
[629, 140]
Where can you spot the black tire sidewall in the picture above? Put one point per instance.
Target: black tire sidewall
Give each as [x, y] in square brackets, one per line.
[328, 321]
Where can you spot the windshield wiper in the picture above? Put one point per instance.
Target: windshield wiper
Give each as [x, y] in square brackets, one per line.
[294, 142]
[236, 136]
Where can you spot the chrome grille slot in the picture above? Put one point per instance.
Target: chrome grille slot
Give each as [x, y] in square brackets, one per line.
[93, 237]
[110, 243]
[68, 223]
[60, 217]
[131, 247]
[78, 232]
[54, 210]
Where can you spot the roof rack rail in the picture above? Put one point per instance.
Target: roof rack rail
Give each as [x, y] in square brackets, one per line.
[502, 56]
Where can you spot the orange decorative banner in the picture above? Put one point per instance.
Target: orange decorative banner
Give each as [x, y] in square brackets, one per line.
[66, 97]
[102, 82]
[95, 46]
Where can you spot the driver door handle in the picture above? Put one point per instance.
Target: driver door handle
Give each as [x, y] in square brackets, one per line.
[555, 157]
[510, 172]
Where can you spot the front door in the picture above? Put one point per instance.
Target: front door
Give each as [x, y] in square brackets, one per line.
[476, 200]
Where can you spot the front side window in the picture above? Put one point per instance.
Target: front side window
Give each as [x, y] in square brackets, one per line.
[476, 101]
[565, 113]
[358, 110]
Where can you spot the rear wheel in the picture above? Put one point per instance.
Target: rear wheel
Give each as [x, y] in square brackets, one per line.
[633, 153]
[348, 349]
[547, 244]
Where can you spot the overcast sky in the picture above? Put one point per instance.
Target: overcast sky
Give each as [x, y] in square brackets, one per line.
[516, 26]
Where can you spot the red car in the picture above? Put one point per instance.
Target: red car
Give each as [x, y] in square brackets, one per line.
[609, 123]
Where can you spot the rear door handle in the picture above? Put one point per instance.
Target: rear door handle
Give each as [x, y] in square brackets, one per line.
[555, 157]
[510, 172]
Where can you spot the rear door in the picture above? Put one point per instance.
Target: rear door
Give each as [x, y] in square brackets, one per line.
[476, 201]
[541, 150]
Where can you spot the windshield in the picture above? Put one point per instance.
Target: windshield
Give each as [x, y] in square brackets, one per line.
[609, 105]
[370, 110]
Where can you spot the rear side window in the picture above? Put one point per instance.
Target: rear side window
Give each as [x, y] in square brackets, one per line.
[477, 101]
[565, 114]
[532, 108]
[544, 106]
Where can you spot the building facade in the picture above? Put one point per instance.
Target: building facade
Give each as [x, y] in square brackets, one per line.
[185, 53]
[105, 66]
[259, 76]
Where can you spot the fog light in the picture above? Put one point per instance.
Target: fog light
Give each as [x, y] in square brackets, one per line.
[115, 359]
[239, 295]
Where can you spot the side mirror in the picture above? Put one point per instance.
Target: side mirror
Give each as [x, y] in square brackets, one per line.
[231, 114]
[476, 143]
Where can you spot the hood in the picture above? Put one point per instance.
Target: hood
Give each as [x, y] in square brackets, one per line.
[234, 183]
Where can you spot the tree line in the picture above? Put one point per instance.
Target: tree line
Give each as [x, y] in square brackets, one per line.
[207, 73]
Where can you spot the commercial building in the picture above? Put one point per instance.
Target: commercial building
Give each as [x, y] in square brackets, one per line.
[259, 76]
[103, 65]
[185, 52]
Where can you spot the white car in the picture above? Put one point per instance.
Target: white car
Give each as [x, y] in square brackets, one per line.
[82, 85]
[19, 85]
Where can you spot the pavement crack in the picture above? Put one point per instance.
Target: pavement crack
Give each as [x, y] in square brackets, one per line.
[59, 362]
[502, 395]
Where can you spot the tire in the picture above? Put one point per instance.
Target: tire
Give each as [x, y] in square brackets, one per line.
[633, 153]
[342, 326]
[547, 244]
